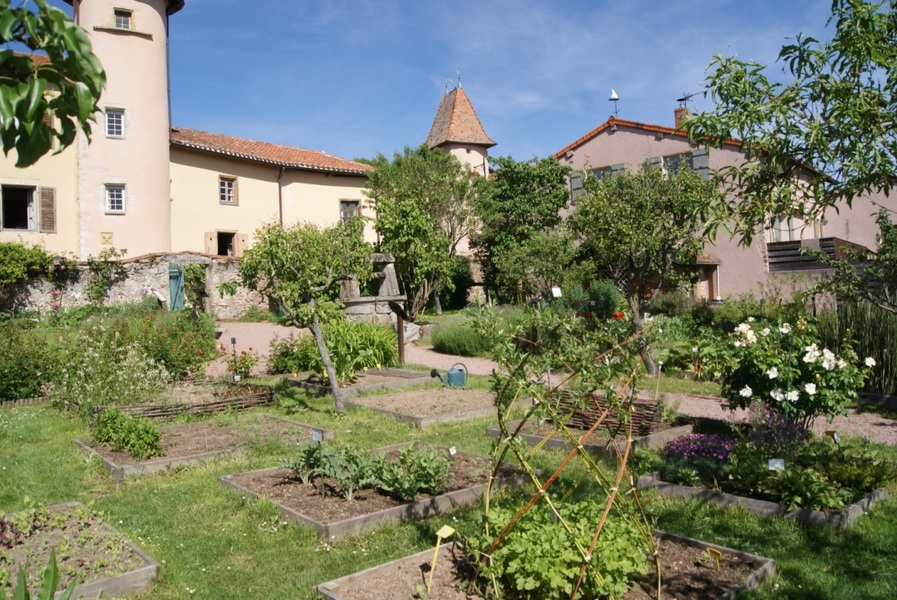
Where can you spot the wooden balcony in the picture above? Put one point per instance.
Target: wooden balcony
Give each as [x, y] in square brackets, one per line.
[790, 256]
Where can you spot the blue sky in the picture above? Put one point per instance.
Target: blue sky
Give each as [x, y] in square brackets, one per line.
[358, 77]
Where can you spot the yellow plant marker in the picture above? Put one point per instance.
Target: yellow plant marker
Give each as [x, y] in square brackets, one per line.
[444, 532]
[716, 555]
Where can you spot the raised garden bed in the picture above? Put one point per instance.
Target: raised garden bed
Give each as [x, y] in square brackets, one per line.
[598, 442]
[192, 443]
[334, 517]
[427, 407]
[204, 400]
[688, 573]
[109, 563]
[368, 381]
[834, 518]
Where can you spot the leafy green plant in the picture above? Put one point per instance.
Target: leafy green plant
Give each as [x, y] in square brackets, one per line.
[537, 559]
[310, 461]
[104, 270]
[352, 468]
[47, 589]
[125, 433]
[353, 347]
[804, 488]
[416, 470]
[459, 339]
[27, 360]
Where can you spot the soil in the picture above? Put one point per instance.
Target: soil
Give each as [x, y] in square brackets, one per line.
[191, 439]
[688, 573]
[428, 402]
[322, 501]
[83, 545]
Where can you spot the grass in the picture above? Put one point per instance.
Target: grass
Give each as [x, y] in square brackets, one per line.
[214, 543]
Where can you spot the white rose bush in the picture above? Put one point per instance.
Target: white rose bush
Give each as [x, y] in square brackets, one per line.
[783, 367]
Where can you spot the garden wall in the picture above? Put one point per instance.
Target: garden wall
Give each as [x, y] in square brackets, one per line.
[139, 278]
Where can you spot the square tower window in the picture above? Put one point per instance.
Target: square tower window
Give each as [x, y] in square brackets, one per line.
[115, 199]
[123, 19]
[227, 190]
[115, 122]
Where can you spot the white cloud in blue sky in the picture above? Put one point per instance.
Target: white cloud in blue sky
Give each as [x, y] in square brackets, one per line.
[358, 77]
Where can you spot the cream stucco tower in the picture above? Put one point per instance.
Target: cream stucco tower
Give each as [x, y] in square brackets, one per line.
[124, 180]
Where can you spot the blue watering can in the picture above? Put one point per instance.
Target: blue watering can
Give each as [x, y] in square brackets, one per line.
[455, 377]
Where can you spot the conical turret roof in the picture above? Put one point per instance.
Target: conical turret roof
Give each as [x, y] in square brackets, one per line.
[457, 122]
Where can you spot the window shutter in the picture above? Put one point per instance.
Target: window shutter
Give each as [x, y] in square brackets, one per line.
[700, 162]
[240, 242]
[575, 186]
[47, 210]
[655, 161]
[211, 244]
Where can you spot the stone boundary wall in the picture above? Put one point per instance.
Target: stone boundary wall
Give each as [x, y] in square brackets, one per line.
[142, 277]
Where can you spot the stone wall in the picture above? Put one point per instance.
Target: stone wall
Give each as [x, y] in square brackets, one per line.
[137, 279]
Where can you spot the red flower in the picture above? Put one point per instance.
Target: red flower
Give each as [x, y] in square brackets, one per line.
[618, 315]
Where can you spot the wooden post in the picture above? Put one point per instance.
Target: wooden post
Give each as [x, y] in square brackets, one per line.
[400, 330]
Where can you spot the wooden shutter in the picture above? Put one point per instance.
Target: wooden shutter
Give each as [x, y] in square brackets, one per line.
[241, 240]
[700, 162]
[211, 242]
[575, 186]
[47, 210]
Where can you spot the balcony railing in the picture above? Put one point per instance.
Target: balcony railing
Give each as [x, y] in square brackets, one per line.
[790, 256]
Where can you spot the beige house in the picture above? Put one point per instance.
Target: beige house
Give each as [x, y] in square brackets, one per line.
[728, 268]
[147, 187]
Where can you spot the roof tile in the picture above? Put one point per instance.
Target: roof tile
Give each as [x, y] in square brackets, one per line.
[457, 121]
[275, 154]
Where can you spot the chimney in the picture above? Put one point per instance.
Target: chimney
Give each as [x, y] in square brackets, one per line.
[680, 115]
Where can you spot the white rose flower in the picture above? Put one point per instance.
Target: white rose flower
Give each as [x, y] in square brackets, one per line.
[777, 395]
[870, 362]
[792, 396]
[773, 373]
[841, 363]
[810, 388]
[765, 332]
[746, 392]
[785, 328]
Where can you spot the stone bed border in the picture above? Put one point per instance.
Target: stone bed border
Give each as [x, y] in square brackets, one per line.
[654, 440]
[153, 465]
[420, 509]
[764, 568]
[839, 519]
[411, 377]
[422, 422]
[129, 581]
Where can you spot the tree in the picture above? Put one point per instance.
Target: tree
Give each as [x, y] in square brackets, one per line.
[422, 202]
[824, 137]
[300, 269]
[64, 82]
[520, 220]
[636, 228]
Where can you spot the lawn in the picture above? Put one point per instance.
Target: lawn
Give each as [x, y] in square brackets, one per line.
[214, 543]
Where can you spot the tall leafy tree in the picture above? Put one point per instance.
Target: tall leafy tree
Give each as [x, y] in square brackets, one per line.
[422, 200]
[521, 224]
[640, 228]
[300, 268]
[63, 79]
[821, 137]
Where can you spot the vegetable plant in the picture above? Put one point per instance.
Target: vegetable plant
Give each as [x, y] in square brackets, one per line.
[122, 432]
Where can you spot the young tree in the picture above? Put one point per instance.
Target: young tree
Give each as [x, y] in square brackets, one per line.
[300, 268]
[64, 82]
[831, 125]
[520, 221]
[635, 228]
[422, 202]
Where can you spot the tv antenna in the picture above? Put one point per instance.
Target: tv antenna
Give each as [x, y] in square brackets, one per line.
[614, 97]
[683, 101]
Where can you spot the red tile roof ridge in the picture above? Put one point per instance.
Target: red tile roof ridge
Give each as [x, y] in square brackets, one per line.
[266, 152]
[613, 121]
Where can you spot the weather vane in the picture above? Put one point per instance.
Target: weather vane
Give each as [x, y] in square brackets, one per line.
[614, 98]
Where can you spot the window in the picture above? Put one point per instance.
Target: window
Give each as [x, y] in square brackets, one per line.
[115, 199]
[782, 229]
[671, 164]
[19, 210]
[115, 122]
[349, 209]
[122, 19]
[227, 190]
[226, 243]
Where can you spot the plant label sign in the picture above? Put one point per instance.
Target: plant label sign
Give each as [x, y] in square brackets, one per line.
[453, 451]
[776, 464]
[317, 435]
[716, 555]
[556, 292]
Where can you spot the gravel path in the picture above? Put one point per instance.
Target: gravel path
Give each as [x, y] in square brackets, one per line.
[258, 336]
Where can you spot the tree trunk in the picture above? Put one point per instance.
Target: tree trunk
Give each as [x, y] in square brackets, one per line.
[317, 330]
[638, 328]
[437, 302]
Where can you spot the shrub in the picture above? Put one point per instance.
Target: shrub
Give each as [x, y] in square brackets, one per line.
[353, 347]
[458, 338]
[672, 304]
[124, 433]
[26, 361]
[101, 369]
[416, 470]
[462, 281]
[605, 298]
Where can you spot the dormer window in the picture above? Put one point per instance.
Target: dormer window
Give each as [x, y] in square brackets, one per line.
[123, 19]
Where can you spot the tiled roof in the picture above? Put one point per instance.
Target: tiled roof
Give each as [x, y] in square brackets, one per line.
[275, 154]
[615, 122]
[457, 122]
